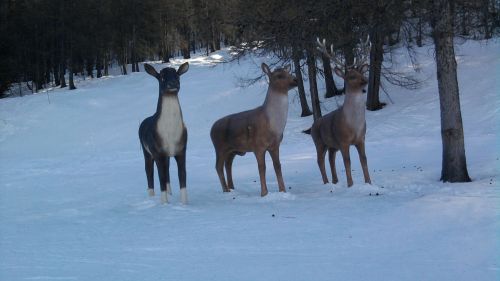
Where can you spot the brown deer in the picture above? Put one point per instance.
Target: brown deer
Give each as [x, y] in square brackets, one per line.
[257, 130]
[345, 126]
[164, 135]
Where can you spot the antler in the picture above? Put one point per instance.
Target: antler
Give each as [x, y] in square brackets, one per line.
[322, 48]
[363, 52]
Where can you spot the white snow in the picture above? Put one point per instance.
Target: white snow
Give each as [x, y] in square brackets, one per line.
[74, 206]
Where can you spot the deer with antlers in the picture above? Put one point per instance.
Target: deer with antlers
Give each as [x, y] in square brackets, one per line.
[345, 126]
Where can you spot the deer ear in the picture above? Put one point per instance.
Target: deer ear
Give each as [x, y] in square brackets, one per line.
[266, 69]
[287, 68]
[364, 68]
[183, 68]
[339, 72]
[151, 70]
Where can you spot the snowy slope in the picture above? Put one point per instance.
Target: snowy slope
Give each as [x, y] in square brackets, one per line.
[73, 202]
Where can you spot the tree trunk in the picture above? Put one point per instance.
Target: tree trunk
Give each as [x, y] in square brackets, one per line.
[62, 70]
[106, 64]
[313, 87]
[302, 93]
[463, 22]
[90, 68]
[486, 19]
[185, 52]
[133, 64]
[331, 88]
[98, 65]
[419, 31]
[376, 58]
[57, 77]
[71, 82]
[454, 165]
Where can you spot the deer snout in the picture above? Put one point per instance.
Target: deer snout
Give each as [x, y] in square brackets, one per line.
[171, 86]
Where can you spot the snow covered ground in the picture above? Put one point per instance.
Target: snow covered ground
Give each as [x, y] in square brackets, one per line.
[73, 201]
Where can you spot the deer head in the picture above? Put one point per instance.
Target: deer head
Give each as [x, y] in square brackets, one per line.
[168, 78]
[280, 79]
[354, 77]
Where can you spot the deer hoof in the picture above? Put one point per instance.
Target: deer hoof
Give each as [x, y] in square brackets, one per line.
[151, 192]
[263, 193]
[164, 197]
[184, 196]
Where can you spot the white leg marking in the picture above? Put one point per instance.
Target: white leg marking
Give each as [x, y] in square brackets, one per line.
[164, 198]
[169, 189]
[184, 196]
[151, 192]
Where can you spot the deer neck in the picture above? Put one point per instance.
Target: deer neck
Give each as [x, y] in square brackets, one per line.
[169, 117]
[168, 106]
[353, 109]
[276, 109]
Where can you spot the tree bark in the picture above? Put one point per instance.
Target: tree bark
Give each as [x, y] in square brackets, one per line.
[454, 164]
[71, 65]
[62, 70]
[98, 65]
[313, 87]
[486, 19]
[302, 93]
[376, 58]
[57, 77]
[419, 32]
[71, 81]
[331, 88]
[90, 68]
[106, 64]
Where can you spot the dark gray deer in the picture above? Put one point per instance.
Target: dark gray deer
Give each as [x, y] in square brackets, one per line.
[345, 126]
[164, 134]
[258, 130]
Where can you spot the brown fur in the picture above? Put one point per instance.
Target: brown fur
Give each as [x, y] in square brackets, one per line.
[254, 131]
[343, 127]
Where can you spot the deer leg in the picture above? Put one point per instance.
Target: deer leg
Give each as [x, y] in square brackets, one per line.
[167, 169]
[149, 167]
[332, 152]
[347, 163]
[261, 162]
[229, 170]
[364, 162]
[219, 167]
[275, 155]
[163, 173]
[321, 150]
[181, 168]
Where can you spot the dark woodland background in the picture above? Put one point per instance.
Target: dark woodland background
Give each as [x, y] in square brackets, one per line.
[46, 42]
